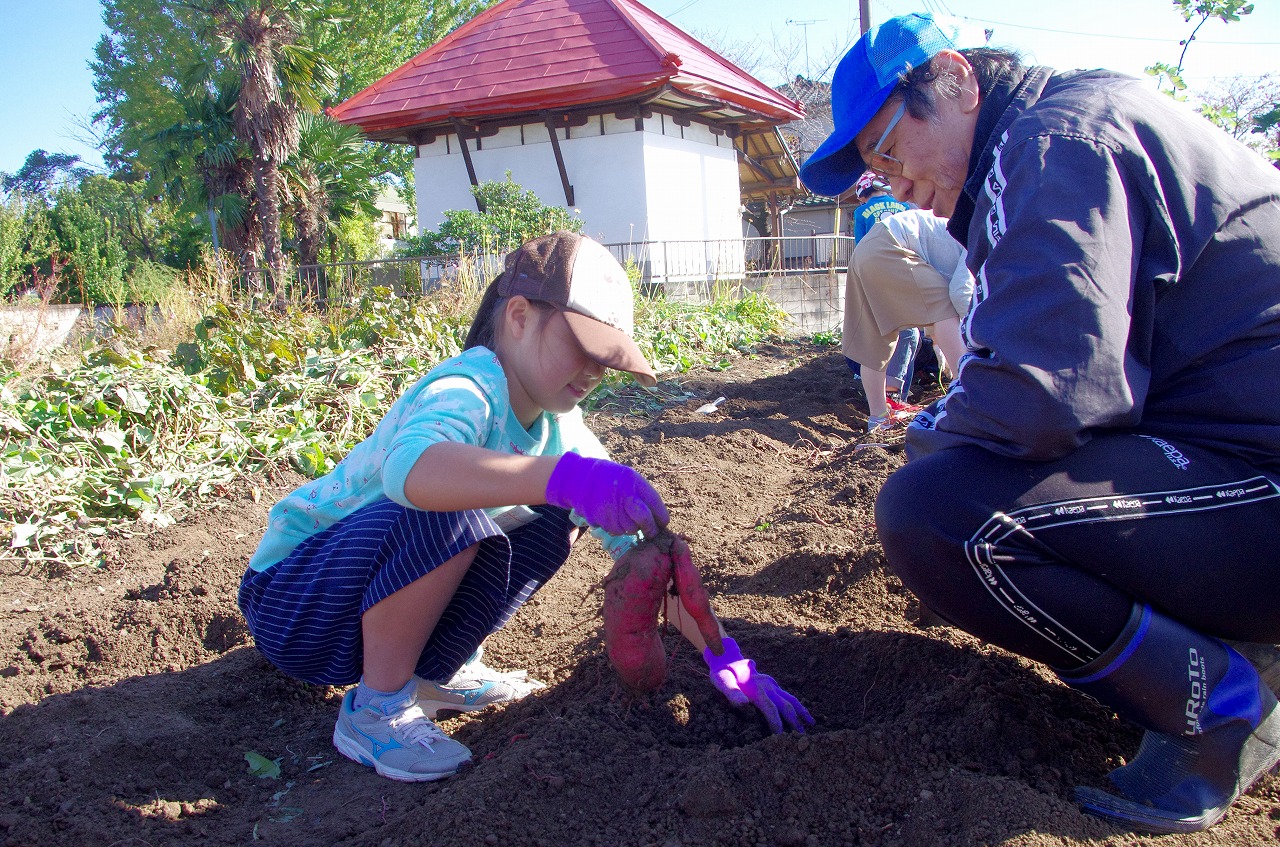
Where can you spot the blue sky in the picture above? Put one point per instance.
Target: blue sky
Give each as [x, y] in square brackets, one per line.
[1123, 35]
[45, 46]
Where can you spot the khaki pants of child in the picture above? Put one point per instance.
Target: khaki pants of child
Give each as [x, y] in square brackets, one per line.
[888, 289]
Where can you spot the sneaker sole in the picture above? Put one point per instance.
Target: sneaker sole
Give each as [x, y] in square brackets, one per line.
[353, 752]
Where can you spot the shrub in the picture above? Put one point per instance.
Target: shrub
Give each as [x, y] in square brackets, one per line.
[511, 216]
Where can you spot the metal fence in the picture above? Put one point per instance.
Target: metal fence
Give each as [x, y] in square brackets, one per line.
[416, 274]
[804, 275]
[662, 262]
[658, 263]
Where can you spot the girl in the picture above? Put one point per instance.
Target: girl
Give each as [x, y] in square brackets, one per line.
[392, 569]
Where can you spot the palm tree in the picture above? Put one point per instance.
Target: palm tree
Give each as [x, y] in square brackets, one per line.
[333, 175]
[224, 174]
[279, 80]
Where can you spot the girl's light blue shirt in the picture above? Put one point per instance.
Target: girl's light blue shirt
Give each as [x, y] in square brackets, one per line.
[463, 399]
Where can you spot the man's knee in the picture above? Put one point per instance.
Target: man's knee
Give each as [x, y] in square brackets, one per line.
[924, 514]
[907, 498]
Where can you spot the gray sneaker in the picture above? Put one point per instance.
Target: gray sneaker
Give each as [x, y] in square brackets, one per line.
[397, 740]
[475, 686]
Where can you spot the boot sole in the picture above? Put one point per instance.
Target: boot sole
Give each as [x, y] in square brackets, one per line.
[1261, 754]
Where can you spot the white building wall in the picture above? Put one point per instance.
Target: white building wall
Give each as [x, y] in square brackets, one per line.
[692, 188]
[664, 182]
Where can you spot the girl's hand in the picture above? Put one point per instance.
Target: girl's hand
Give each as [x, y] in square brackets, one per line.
[606, 494]
[738, 679]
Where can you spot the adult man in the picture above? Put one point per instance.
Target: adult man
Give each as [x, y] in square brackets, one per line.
[1113, 428]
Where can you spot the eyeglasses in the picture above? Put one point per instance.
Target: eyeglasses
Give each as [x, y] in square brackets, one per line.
[882, 163]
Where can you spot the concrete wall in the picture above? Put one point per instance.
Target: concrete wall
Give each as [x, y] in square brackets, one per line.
[29, 328]
[805, 221]
[26, 329]
[661, 182]
[814, 302]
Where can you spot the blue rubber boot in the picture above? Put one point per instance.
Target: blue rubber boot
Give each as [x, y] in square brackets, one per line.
[1213, 726]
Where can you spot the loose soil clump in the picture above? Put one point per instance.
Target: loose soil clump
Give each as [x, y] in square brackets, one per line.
[131, 693]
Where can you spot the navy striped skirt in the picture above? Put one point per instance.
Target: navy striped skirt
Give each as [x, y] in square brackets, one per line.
[304, 611]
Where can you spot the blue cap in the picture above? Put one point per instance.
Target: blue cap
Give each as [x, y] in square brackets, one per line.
[863, 81]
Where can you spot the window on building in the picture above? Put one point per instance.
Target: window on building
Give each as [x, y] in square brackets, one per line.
[398, 222]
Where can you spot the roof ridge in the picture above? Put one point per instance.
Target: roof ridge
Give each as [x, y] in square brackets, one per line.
[525, 56]
[663, 55]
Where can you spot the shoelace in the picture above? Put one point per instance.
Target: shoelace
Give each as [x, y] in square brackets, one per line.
[415, 727]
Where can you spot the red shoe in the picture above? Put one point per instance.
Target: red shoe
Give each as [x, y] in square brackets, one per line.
[896, 405]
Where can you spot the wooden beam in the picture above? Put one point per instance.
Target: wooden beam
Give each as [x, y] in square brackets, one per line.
[563, 120]
[755, 166]
[578, 117]
[466, 157]
[420, 139]
[555, 147]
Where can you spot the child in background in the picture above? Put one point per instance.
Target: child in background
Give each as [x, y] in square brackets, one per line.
[875, 203]
[906, 272]
[391, 570]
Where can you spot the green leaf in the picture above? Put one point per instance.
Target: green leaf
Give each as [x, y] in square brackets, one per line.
[262, 767]
[132, 399]
[12, 425]
[112, 439]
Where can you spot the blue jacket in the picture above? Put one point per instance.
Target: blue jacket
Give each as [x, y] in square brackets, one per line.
[1126, 254]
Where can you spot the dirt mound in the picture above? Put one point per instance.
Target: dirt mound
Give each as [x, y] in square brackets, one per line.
[131, 694]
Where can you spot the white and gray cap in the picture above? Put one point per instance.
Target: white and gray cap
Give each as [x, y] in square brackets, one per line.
[581, 278]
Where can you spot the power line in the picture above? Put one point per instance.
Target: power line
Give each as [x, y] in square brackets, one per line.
[1199, 39]
[938, 7]
[671, 15]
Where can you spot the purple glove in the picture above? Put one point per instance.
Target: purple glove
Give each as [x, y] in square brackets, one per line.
[738, 679]
[606, 494]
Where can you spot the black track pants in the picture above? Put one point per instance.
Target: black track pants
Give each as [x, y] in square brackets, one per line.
[1046, 558]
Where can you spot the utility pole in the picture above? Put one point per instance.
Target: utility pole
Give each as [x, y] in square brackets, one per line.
[806, 24]
[864, 15]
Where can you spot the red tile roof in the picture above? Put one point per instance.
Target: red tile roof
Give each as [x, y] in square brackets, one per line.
[525, 56]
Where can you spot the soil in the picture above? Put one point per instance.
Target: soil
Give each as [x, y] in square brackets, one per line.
[131, 693]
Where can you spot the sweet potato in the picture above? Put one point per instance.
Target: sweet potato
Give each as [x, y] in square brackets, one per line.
[693, 595]
[634, 593]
